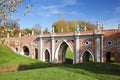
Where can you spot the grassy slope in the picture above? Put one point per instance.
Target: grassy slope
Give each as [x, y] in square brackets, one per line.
[82, 71]
[8, 59]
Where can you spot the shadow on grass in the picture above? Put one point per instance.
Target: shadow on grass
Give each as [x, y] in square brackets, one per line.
[101, 68]
[44, 65]
[68, 61]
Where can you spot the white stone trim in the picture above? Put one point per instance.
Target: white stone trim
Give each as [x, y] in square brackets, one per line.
[97, 49]
[77, 49]
[40, 48]
[53, 49]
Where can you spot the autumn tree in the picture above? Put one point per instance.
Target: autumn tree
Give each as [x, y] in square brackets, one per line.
[7, 10]
[9, 7]
[82, 24]
[71, 26]
[28, 31]
[46, 31]
[59, 25]
[64, 26]
[11, 27]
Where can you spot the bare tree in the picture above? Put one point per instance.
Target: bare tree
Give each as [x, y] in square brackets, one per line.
[37, 29]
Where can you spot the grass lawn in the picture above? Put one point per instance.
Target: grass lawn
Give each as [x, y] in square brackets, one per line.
[37, 70]
[69, 56]
[11, 61]
[53, 73]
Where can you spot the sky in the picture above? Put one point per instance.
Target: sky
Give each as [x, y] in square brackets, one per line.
[45, 12]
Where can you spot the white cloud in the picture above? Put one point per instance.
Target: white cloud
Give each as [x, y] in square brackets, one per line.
[69, 2]
[55, 9]
[74, 12]
[49, 7]
[117, 9]
[111, 23]
[51, 10]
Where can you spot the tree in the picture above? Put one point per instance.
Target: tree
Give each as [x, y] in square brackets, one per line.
[7, 10]
[64, 26]
[70, 26]
[37, 29]
[23, 32]
[27, 31]
[13, 29]
[59, 25]
[82, 24]
[46, 30]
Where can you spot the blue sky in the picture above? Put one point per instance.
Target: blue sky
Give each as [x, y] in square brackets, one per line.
[45, 12]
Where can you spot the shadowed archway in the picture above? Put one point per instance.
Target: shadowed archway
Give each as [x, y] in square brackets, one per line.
[47, 56]
[26, 50]
[65, 54]
[87, 57]
[110, 57]
[16, 49]
[36, 53]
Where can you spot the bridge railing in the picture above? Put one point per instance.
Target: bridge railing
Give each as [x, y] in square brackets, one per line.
[68, 34]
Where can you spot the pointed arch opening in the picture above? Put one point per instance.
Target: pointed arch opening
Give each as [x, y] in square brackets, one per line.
[87, 57]
[65, 54]
[110, 57]
[36, 53]
[16, 49]
[47, 56]
[26, 50]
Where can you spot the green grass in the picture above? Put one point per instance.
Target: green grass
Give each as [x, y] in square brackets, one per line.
[37, 70]
[10, 59]
[45, 74]
[69, 56]
[82, 71]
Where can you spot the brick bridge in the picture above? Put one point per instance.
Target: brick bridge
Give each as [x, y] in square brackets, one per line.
[101, 45]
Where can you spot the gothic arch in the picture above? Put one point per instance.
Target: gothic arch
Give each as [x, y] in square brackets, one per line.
[46, 55]
[85, 56]
[61, 50]
[16, 49]
[26, 50]
[36, 53]
[110, 57]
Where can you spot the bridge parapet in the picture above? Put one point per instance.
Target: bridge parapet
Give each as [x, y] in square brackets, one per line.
[69, 34]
